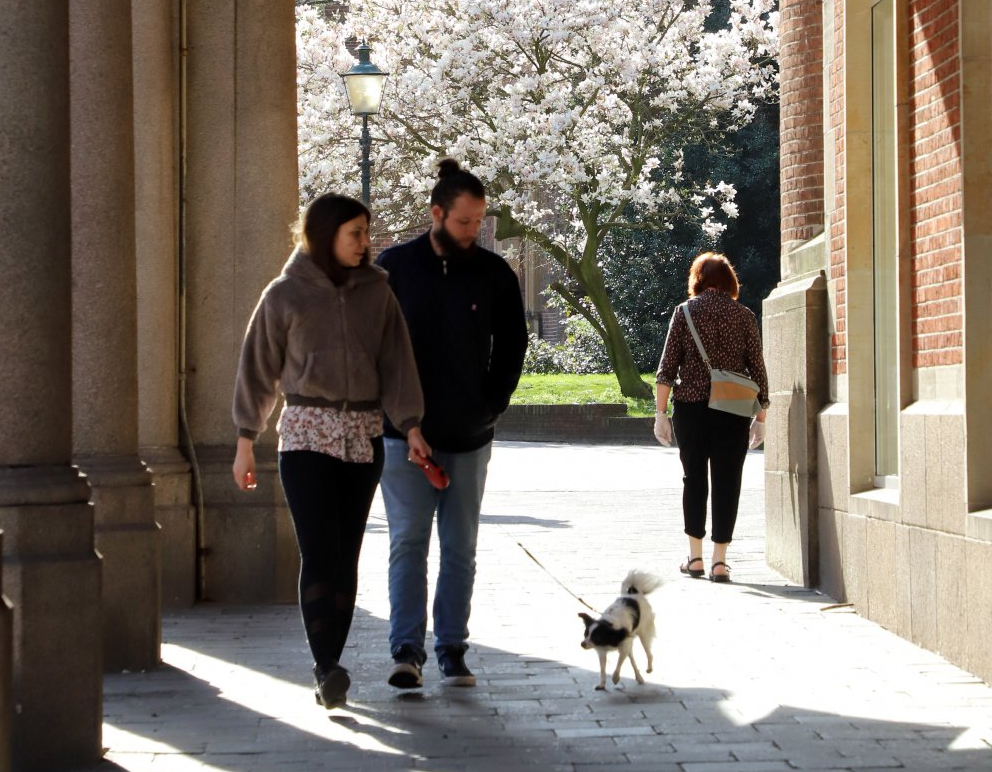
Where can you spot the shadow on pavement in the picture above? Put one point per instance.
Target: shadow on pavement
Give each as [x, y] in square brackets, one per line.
[787, 591]
[234, 694]
[523, 520]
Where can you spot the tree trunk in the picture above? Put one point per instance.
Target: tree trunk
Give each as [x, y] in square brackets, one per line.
[586, 272]
[621, 359]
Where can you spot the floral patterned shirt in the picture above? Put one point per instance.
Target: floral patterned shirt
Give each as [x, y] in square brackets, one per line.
[343, 434]
[729, 333]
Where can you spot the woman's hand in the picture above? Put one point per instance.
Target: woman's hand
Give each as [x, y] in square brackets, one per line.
[662, 423]
[244, 465]
[756, 437]
[419, 449]
[663, 429]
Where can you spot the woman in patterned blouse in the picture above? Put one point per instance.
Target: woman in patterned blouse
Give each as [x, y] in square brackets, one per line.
[712, 443]
[328, 333]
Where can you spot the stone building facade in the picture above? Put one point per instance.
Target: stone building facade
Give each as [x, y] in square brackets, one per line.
[879, 454]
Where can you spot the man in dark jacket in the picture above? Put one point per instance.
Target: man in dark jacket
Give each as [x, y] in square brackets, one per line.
[463, 308]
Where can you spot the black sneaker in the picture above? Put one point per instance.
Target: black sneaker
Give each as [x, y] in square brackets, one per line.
[451, 662]
[407, 672]
[331, 686]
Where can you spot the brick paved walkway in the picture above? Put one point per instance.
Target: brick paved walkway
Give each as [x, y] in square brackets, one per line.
[756, 676]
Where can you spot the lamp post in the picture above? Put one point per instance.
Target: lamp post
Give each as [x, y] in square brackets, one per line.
[364, 83]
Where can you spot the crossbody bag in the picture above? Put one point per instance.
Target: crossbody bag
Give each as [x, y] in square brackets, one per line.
[729, 391]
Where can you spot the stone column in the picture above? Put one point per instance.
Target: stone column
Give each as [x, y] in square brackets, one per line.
[242, 196]
[795, 316]
[104, 331]
[6, 676]
[51, 572]
[794, 321]
[156, 153]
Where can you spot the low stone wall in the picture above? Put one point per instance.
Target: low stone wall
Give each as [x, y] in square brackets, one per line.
[592, 424]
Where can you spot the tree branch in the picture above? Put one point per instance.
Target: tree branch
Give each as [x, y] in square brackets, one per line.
[576, 303]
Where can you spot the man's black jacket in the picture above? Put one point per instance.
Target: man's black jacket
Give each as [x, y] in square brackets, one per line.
[469, 335]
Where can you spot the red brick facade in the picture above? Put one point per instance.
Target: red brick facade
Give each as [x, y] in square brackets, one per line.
[837, 242]
[934, 174]
[878, 452]
[801, 123]
[935, 182]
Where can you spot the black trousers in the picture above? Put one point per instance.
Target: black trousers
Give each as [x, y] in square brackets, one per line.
[329, 501]
[712, 447]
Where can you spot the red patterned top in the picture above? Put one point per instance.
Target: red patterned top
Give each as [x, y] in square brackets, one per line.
[729, 333]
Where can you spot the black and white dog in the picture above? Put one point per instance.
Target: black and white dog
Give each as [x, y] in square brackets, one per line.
[629, 616]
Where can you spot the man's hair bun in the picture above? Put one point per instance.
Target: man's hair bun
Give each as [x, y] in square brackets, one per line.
[447, 167]
[453, 181]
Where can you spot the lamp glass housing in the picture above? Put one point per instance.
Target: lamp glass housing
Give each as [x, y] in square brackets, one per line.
[364, 83]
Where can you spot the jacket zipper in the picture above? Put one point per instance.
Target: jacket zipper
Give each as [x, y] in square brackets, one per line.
[344, 331]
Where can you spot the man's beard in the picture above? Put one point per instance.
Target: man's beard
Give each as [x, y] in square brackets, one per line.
[450, 247]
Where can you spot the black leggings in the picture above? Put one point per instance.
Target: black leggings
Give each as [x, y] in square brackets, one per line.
[712, 444]
[329, 501]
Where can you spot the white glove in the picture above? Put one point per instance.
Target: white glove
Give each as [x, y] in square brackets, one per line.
[663, 429]
[757, 436]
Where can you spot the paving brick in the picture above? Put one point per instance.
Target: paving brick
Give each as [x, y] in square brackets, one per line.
[756, 676]
[737, 766]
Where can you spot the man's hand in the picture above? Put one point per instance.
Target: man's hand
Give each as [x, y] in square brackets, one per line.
[419, 450]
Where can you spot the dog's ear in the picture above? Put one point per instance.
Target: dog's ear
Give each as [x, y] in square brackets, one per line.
[586, 618]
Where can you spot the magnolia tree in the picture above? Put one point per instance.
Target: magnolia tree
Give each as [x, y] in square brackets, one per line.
[574, 113]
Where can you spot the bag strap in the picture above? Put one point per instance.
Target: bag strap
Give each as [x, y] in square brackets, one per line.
[695, 335]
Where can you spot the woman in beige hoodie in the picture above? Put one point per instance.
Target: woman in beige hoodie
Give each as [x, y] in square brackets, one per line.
[328, 334]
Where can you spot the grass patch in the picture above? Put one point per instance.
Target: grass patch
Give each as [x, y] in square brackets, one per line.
[579, 390]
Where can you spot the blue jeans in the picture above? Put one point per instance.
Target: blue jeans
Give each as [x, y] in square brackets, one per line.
[411, 502]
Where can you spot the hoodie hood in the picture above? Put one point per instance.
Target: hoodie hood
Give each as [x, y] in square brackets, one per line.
[301, 266]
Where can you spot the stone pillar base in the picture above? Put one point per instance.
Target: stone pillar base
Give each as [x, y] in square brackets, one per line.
[6, 675]
[176, 516]
[51, 573]
[795, 329]
[127, 539]
[250, 546]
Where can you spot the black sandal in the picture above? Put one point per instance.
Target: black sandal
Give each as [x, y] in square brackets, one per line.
[720, 578]
[695, 573]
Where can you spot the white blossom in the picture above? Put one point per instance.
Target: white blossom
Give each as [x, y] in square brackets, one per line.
[568, 110]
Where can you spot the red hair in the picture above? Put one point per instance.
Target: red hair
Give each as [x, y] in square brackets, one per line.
[711, 270]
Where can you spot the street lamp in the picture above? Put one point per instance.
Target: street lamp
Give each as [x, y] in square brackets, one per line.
[364, 82]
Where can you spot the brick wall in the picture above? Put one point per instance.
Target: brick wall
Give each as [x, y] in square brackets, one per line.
[837, 115]
[801, 121]
[935, 182]
[381, 241]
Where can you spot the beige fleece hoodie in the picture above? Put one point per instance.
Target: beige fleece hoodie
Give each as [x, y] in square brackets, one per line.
[309, 338]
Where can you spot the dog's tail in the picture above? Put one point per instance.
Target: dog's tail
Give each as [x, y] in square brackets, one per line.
[640, 583]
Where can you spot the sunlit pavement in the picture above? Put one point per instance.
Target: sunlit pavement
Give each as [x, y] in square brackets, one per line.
[758, 675]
